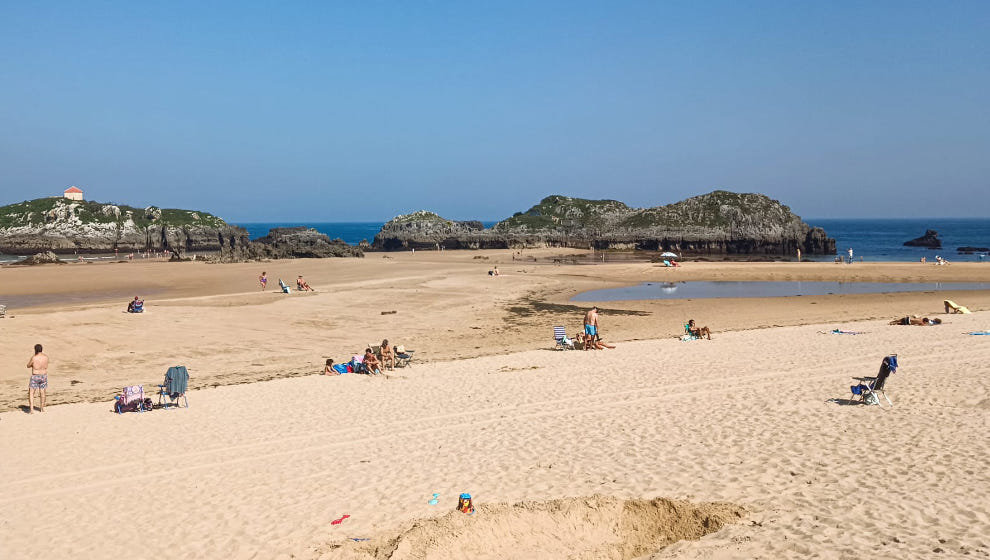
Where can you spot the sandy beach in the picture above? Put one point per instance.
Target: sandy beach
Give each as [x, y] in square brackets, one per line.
[743, 430]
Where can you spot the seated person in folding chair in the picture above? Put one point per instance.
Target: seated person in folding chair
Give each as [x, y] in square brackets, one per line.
[388, 356]
[371, 363]
[699, 332]
[136, 305]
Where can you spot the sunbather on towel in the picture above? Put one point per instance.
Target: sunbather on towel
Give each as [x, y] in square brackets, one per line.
[922, 322]
[599, 344]
[371, 363]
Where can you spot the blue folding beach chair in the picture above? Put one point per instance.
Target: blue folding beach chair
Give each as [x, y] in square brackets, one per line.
[870, 389]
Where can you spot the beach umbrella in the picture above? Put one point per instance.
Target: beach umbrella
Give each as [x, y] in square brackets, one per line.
[668, 254]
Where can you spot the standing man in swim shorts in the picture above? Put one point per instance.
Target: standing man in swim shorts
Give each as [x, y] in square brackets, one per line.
[39, 377]
[590, 328]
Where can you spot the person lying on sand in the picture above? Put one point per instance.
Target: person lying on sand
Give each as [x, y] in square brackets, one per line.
[371, 363]
[922, 322]
[599, 344]
[694, 330]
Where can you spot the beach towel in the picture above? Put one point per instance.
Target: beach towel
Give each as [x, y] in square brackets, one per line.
[176, 381]
[838, 331]
[340, 368]
[979, 332]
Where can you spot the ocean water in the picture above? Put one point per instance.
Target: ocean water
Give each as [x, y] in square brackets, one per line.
[350, 232]
[883, 240]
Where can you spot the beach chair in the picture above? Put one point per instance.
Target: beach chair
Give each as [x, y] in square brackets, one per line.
[688, 335]
[953, 307]
[870, 389]
[174, 387]
[667, 263]
[131, 399]
[560, 337]
[284, 287]
[403, 357]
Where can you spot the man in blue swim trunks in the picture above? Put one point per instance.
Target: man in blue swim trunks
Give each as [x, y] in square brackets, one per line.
[590, 328]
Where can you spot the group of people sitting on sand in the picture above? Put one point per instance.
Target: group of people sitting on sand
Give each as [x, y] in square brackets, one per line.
[371, 363]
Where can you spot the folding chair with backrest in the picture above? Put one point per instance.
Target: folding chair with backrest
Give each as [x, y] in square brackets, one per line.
[870, 389]
[403, 357]
[560, 336]
[174, 387]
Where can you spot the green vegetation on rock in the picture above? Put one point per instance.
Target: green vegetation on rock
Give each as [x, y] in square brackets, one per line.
[45, 210]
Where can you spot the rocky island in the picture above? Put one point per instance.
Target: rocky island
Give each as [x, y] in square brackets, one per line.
[720, 222]
[929, 239]
[67, 226]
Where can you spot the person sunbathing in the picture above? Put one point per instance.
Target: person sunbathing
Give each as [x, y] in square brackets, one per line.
[599, 344]
[695, 331]
[388, 356]
[922, 322]
[302, 285]
[371, 363]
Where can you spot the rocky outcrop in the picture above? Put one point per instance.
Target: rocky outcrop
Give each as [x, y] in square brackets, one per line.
[76, 226]
[47, 257]
[929, 239]
[720, 222]
[302, 242]
[66, 226]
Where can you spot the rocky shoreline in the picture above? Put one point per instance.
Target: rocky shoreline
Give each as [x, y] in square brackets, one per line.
[717, 223]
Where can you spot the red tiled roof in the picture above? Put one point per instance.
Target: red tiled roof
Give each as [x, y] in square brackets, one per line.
[73, 190]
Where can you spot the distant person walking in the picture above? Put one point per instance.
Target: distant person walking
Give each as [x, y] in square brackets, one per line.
[263, 280]
[38, 364]
[799, 255]
[850, 255]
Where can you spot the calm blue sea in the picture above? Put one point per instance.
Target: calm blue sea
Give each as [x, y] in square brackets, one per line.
[870, 239]
[883, 240]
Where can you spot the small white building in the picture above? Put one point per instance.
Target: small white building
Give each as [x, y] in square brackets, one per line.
[73, 193]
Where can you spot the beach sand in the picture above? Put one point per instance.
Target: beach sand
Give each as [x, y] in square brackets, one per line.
[268, 454]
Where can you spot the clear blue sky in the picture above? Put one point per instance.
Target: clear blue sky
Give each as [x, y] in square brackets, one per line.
[333, 111]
